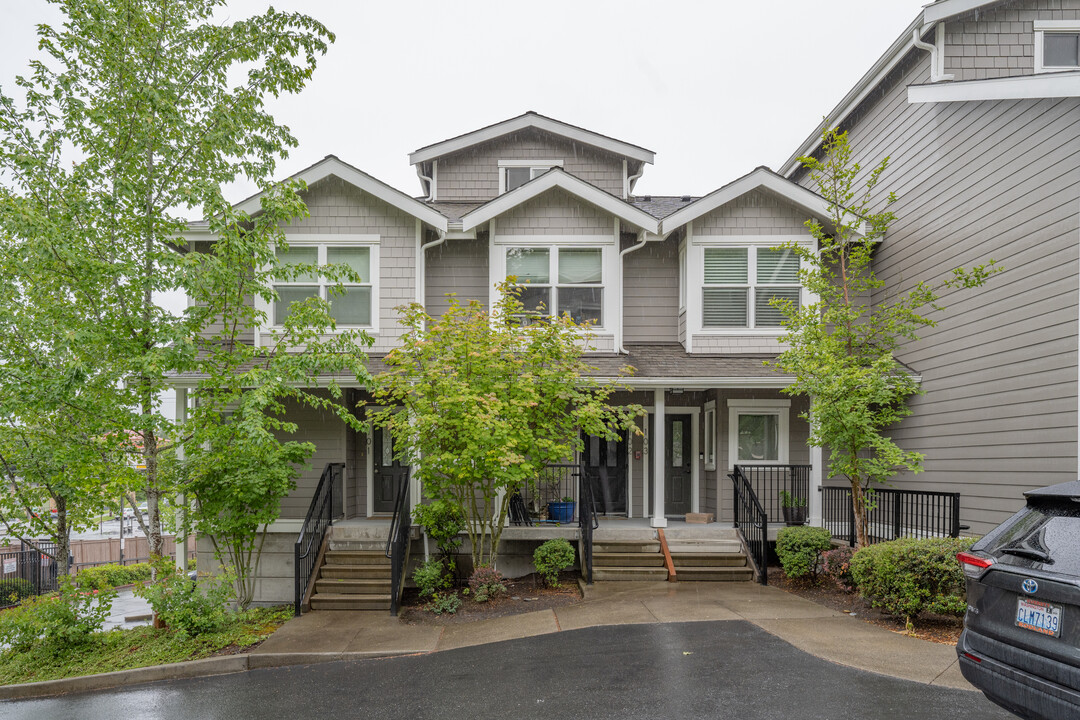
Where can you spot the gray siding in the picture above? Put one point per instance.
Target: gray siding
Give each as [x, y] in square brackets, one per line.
[457, 266]
[328, 434]
[473, 174]
[556, 212]
[337, 207]
[977, 181]
[1000, 41]
[651, 293]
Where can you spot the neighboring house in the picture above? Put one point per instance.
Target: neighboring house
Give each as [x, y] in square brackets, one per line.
[987, 165]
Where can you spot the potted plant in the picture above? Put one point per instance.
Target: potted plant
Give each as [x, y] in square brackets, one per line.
[794, 508]
[561, 512]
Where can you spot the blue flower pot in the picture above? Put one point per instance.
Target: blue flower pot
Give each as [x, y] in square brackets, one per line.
[561, 512]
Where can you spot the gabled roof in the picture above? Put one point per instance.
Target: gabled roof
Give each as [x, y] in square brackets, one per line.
[948, 8]
[557, 177]
[540, 122]
[331, 165]
[762, 178]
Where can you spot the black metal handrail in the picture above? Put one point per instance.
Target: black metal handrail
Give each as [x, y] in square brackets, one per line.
[752, 522]
[587, 522]
[769, 482]
[325, 506]
[892, 513]
[397, 544]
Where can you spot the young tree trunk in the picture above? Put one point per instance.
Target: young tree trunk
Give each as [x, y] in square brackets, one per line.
[858, 505]
[63, 538]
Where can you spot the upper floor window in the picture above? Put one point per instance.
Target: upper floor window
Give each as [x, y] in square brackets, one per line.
[564, 280]
[352, 307]
[1057, 45]
[515, 173]
[740, 283]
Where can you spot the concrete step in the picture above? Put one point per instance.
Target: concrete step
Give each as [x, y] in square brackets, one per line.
[626, 559]
[355, 572]
[703, 559]
[356, 557]
[349, 586]
[623, 546]
[629, 573]
[714, 574]
[378, 546]
[340, 601]
[704, 546]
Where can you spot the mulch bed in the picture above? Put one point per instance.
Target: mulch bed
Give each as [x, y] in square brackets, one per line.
[523, 595]
[935, 628]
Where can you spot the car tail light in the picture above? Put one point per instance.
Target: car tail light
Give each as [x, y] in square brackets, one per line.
[976, 658]
[974, 565]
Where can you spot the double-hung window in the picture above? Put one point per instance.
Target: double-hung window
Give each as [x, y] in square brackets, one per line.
[1057, 45]
[515, 173]
[354, 306]
[560, 280]
[740, 283]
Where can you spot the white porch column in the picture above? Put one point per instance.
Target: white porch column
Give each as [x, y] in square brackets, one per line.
[658, 443]
[181, 540]
[816, 474]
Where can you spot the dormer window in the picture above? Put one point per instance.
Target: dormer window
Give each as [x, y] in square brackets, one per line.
[1057, 45]
[515, 173]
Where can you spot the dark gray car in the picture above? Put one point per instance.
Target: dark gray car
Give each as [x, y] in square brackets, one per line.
[1021, 639]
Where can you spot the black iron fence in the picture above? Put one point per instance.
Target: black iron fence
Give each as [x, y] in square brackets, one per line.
[772, 484]
[25, 573]
[397, 544]
[752, 522]
[587, 521]
[320, 516]
[551, 498]
[892, 514]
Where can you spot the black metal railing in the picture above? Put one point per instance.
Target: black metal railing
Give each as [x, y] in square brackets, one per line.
[325, 506]
[588, 521]
[770, 482]
[26, 573]
[892, 513]
[397, 544]
[752, 522]
[544, 499]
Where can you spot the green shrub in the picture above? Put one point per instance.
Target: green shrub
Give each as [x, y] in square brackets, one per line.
[486, 583]
[443, 523]
[433, 576]
[112, 575]
[799, 549]
[13, 590]
[553, 557]
[907, 577]
[189, 608]
[837, 565]
[58, 621]
[444, 603]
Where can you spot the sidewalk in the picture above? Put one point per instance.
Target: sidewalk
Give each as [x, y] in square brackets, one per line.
[337, 635]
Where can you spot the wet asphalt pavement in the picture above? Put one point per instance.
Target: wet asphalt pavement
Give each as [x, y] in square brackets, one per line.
[728, 669]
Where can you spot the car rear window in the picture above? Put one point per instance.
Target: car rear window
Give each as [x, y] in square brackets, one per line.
[1048, 528]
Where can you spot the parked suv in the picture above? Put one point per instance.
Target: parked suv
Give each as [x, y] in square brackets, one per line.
[1021, 639]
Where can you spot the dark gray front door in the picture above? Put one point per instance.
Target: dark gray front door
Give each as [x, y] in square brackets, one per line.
[677, 463]
[388, 473]
[605, 470]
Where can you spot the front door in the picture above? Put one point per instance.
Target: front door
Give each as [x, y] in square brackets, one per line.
[388, 473]
[677, 461]
[605, 471]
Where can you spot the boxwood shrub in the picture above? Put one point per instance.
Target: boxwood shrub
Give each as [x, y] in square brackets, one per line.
[112, 575]
[799, 549]
[910, 576]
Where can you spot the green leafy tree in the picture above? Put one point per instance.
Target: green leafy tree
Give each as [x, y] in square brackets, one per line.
[137, 114]
[487, 401]
[841, 348]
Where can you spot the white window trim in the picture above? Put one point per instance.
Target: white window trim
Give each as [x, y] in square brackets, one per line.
[682, 276]
[609, 264]
[780, 408]
[710, 458]
[322, 241]
[695, 324]
[1041, 28]
[537, 165]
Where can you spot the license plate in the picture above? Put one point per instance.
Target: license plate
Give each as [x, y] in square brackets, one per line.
[1038, 616]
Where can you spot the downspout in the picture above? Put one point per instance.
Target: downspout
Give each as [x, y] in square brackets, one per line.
[916, 38]
[633, 179]
[622, 280]
[421, 285]
[425, 181]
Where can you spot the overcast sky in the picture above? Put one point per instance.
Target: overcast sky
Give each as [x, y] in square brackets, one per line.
[715, 88]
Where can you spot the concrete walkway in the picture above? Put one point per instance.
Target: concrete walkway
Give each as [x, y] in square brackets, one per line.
[337, 635]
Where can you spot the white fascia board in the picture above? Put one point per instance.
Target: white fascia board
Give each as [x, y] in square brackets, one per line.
[892, 57]
[539, 122]
[578, 188]
[948, 8]
[1024, 87]
[700, 383]
[363, 181]
[794, 193]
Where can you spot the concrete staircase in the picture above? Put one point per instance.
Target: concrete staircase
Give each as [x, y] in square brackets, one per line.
[628, 560]
[709, 560]
[355, 574]
[712, 555]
